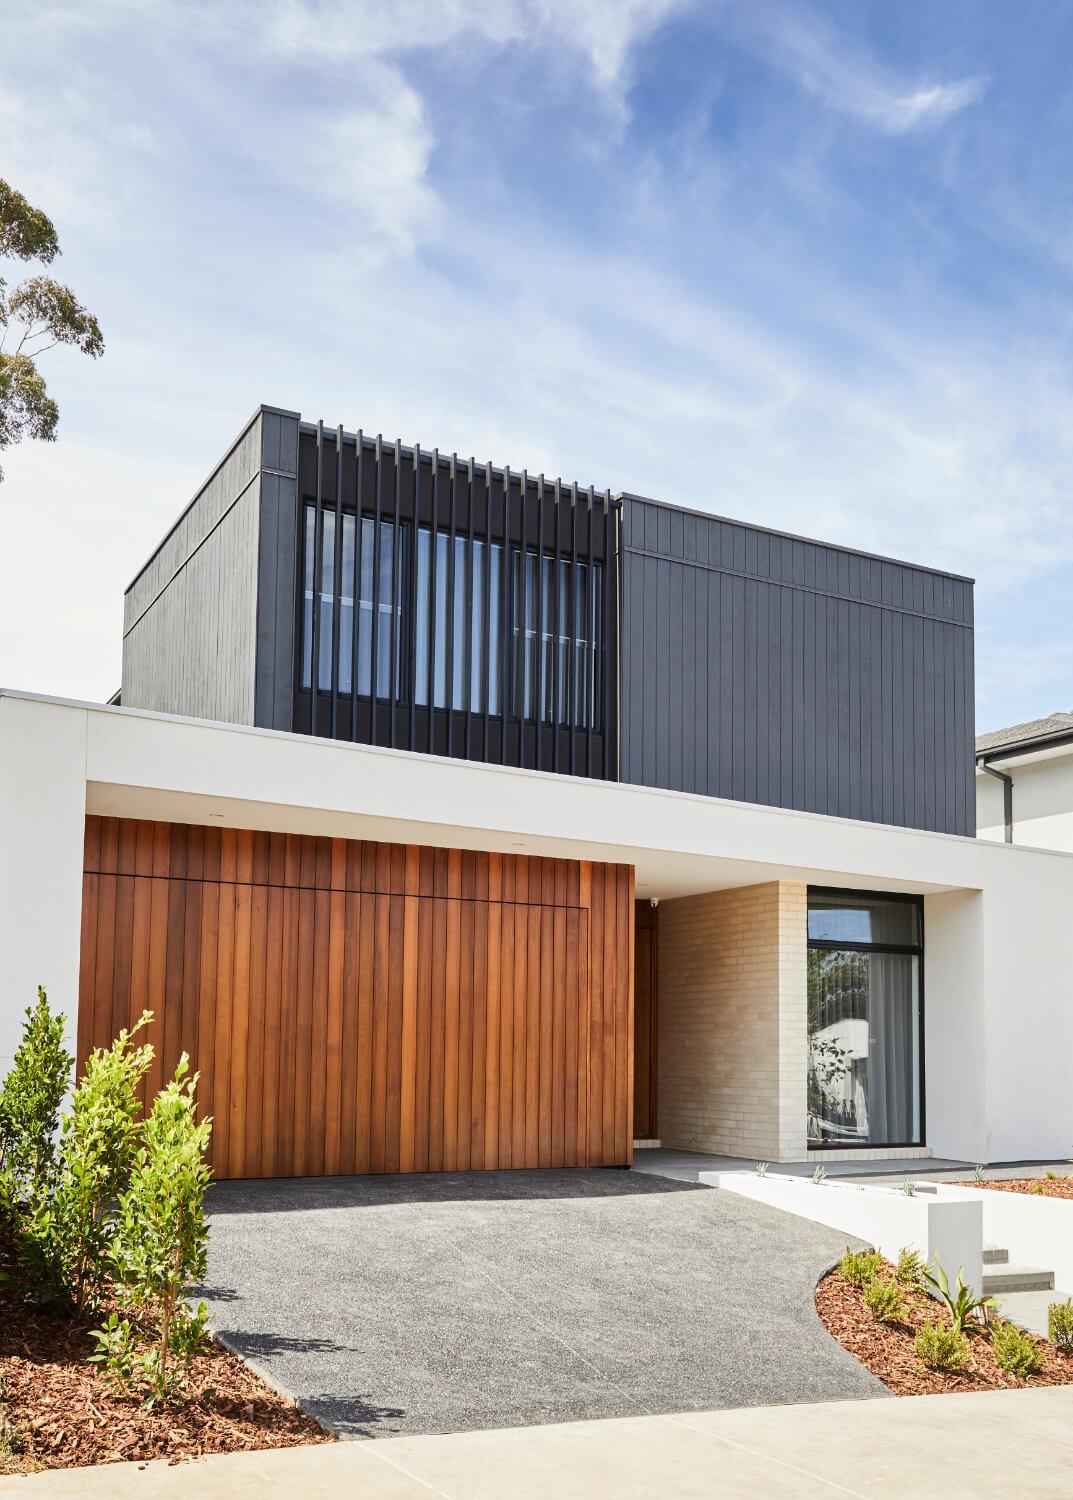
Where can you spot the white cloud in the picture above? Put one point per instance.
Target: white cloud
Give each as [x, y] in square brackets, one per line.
[824, 65]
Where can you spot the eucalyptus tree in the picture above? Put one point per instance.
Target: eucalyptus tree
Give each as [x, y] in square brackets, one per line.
[35, 315]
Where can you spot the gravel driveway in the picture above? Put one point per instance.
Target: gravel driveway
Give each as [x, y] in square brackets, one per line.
[439, 1303]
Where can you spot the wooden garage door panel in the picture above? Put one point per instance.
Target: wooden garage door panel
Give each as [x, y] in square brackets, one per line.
[373, 1008]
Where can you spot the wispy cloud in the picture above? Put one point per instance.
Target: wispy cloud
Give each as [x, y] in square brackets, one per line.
[827, 66]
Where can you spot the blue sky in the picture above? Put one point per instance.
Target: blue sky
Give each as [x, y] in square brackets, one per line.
[805, 264]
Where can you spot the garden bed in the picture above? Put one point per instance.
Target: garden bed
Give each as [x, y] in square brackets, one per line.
[889, 1350]
[1041, 1187]
[59, 1415]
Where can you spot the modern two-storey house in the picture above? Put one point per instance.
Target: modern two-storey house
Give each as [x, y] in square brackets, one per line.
[452, 816]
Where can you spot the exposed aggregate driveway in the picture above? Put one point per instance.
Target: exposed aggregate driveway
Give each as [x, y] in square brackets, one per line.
[439, 1303]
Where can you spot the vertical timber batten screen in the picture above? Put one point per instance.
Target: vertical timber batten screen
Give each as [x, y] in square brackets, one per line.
[367, 1007]
[453, 608]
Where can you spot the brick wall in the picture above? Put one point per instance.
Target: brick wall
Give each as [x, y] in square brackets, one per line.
[732, 1022]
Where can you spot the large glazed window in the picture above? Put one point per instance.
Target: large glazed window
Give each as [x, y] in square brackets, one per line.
[556, 632]
[864, 1020]
[383, 578]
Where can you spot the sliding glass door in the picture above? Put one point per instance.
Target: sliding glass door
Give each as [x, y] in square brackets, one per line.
[864, 1020]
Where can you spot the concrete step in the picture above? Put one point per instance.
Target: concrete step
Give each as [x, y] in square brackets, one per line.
[1018, 1279]
[1029, 1309]
[994, 1256]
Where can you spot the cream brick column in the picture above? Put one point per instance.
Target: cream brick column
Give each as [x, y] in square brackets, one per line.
[732, 1022]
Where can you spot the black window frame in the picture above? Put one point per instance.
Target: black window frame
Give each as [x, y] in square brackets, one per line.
[910, 950]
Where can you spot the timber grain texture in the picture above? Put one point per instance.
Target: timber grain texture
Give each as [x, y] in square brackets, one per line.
[360, 1007]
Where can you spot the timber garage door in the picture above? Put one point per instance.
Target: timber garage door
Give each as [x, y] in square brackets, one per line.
[364, 1007]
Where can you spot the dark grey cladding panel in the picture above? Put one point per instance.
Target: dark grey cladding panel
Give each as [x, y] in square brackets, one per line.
[276, 578]
[770, 669]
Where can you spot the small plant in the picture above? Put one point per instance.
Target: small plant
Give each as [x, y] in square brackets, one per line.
[1052, 1176]
[819, 1175]
[1060, 1325]
[978, 1176]
[71, 1235]
[1015, 1350]
[909, 1188]
[910, 1269]
[761, 1168]
[860, 1267]
[940, 1348]
[12, 1441]
[30, 1102]
[885, 1300]
[961, 1303]
[1037, 1187]
[160, 1246]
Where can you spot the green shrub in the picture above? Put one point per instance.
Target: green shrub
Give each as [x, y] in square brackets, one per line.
[961, 1303]
[885, 1300]
[72, 1234]
[818, 1176]
[160, 1247]
[30, 1100]
[1015, 1350]
[1060, 1324]
[1037, 1187]
[941, 1348]
[910, 1269]
[859, 1267]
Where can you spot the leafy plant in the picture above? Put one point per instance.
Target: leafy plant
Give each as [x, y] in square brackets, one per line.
[1037, 1187]
[910, 1269]
[73, 1232]
[1015, 1350]
[860, 1267]
[160, 1244]
[961, 1303]
[909, 1188]
[940, 1348]
[885, 1300]
[1060, 1324]
[818, 1176]
[30, 1102]
[761, 1168]
[978, 1176]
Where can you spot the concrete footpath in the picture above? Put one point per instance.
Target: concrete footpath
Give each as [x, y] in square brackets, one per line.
[1008, 1443]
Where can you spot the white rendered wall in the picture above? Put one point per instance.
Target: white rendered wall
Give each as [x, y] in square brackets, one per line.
[999, 920]
[955, 1032]
[1042, 803]
[42, 827]
[1028, 997]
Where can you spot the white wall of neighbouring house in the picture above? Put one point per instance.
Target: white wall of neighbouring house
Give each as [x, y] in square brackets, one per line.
[42, 830]
[1042, 802]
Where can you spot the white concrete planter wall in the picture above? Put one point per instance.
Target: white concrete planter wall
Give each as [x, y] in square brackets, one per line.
[1037, 1231]
[948, 1227]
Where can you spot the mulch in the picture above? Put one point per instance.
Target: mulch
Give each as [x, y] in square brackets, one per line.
[61, 1415]
[889, 1351]
[1042, 1187]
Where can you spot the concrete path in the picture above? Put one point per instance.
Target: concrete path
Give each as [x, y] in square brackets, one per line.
[443, 1303]
[1004, 1443]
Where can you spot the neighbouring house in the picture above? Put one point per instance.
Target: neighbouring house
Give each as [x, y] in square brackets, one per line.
[451, 817]
[1024, 783]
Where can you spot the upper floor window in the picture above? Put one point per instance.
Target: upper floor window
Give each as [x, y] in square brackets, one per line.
[454, 623]
[387, 581]
[556, 630]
